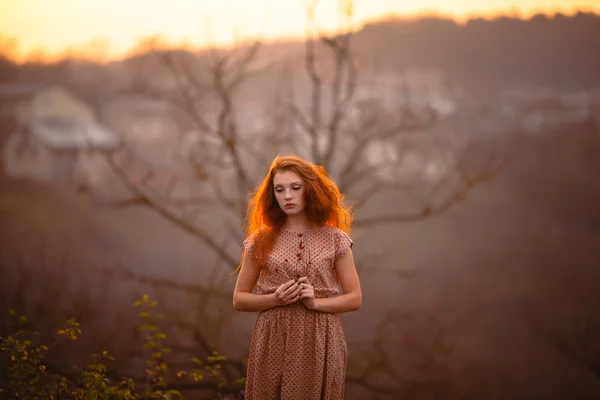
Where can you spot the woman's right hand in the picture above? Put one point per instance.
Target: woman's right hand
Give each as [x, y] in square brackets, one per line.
[287, 293]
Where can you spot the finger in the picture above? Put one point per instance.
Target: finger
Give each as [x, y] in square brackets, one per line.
[293, 299]
[291, 290]
[292, 296]
[296, 292]
[288, 284]
[296, 287]
[303, 279]
[305, 286]
[283, 289]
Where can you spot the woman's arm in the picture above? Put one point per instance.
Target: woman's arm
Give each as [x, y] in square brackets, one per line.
[245, 300]
[350, 300]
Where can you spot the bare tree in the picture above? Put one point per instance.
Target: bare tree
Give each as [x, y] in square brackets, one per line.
[412, 353]
[333, 127]
[364, 144]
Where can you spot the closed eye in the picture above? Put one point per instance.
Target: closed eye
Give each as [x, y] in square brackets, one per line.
[279, 190]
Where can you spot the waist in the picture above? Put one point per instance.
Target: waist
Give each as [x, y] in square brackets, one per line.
[295, 309]
[320, 293]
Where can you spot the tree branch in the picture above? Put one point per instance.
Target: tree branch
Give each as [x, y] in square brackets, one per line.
[343, 61]
[429, 210]
[183, 224]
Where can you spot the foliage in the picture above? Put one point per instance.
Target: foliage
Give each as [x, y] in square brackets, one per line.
[27, 375]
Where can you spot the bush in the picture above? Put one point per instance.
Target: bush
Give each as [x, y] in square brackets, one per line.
[27, 376]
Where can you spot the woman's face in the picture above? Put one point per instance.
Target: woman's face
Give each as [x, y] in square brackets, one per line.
[289, 191]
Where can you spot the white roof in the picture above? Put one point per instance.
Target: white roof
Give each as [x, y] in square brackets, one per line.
[73, 134]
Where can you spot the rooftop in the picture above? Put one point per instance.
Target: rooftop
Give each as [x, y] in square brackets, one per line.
[69, 134]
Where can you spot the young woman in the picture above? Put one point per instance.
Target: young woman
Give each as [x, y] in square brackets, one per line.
[297, 252]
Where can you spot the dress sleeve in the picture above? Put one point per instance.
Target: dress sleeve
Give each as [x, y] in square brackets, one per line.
[248, 244]
[343, 243]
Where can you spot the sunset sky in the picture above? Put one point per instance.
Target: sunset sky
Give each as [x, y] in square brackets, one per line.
[110, 28]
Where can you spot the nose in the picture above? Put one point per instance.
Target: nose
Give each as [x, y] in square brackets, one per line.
[288, 194]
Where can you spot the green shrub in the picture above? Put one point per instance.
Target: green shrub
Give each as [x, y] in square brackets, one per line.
[27, 376]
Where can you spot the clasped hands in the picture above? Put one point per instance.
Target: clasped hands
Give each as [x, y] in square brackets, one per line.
[296, 290]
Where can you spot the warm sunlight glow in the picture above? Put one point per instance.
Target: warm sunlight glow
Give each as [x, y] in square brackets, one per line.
[110, 28]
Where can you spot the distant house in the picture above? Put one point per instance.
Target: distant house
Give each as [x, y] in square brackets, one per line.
[540, 109]
[388, 102]
[150, 126]
[29, 101]
[418, 91]
[153, 131]
[56, 137]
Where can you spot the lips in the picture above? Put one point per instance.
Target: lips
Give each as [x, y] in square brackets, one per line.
[290, 205]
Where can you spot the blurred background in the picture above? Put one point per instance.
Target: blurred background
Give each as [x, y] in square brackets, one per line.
[466, 134]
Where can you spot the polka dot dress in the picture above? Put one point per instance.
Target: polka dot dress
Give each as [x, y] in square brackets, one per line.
[296, 353]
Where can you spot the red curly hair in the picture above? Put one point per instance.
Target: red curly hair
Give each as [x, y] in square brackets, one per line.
[323, 199]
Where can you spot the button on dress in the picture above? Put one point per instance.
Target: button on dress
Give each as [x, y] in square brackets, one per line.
[296, 353]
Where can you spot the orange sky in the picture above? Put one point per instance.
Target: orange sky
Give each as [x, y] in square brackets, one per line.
[110, 28]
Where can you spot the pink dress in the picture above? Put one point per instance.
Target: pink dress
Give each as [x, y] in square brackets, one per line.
[296, 353]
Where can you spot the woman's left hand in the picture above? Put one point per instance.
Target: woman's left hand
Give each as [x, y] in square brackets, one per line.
[307, 293]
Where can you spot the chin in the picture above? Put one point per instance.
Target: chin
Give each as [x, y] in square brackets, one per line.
[292, 211]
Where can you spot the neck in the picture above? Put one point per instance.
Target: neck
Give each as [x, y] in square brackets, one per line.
[297, 222]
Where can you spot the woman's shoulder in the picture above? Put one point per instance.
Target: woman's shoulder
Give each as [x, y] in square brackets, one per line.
[332, 229]
[338, 238]
[251, 238]
[336, 233]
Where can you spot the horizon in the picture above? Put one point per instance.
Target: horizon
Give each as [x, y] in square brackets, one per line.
[25, 36]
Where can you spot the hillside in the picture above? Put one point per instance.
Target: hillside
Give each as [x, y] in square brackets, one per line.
[514, 265]
[559, 51]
